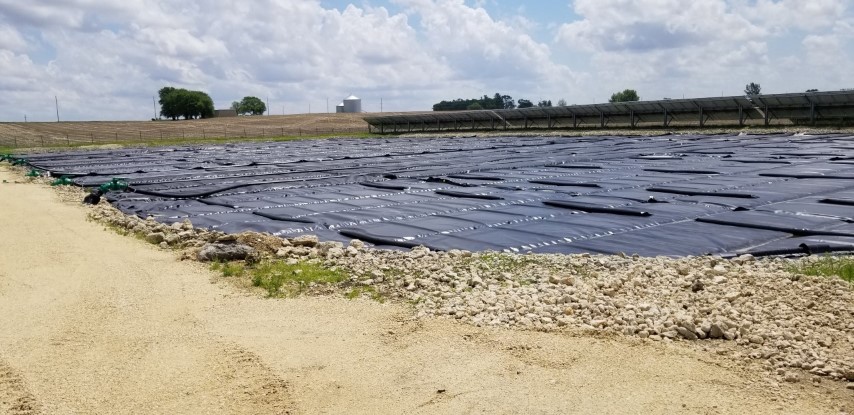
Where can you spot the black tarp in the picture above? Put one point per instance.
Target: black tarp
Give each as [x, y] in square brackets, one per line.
[669, 195]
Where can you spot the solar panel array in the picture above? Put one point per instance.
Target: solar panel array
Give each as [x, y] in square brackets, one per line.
[804, 107]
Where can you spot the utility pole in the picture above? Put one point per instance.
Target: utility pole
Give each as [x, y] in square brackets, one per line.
[309, 108]
[381, 105]
[327, 105]
[269, 112]
[56, 101]
[25, 117]
[154, 107]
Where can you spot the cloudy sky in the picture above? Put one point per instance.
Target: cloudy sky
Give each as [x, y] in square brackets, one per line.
[105, 59]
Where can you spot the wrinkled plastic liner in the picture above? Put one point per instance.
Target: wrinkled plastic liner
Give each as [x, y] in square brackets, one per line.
[669, 195]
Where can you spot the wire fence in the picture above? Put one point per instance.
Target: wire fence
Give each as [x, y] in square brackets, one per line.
[58, 137]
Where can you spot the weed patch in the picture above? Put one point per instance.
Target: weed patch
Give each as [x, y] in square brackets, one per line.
[229, 269]
[827, 266]
[279, 278]
[357, 292]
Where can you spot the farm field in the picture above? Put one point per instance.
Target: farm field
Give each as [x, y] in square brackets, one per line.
[45, 134]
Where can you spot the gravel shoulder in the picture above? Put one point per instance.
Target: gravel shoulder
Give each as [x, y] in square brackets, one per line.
[94, 322]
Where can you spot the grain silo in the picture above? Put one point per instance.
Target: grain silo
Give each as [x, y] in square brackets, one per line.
[339, 108]
[352, 104]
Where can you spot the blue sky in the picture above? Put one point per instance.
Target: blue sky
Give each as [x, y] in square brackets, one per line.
[104, 59]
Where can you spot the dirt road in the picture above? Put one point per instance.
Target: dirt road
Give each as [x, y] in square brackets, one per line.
[96, 323]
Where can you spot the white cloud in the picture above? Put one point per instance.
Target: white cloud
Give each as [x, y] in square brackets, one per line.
[11, 39]
[782, 15]
[490, 53]
[671, 47]
[106, 58]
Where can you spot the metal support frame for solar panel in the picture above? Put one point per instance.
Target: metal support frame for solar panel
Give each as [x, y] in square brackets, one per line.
[810, 107]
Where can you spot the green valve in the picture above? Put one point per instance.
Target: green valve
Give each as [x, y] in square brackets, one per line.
[117, 183]
[62, 181]
[34, 173]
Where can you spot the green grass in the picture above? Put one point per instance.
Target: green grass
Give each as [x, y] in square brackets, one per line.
[357, 292]
[229, 269]
[827, 266]
[282, 279]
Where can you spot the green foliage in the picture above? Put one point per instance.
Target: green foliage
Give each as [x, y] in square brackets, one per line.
[250, 105]
[497, 101]
[357, 292]
[544, 103]
[281, 278]
[627, 95]
[524, 103]
[474, 106]
[235, 105]
[229, 269]
[827, 266]
[812, 90]
[752, 89]
[176, 103]
[561, 102]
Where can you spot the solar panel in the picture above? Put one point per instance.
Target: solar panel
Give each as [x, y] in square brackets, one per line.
[793, 105]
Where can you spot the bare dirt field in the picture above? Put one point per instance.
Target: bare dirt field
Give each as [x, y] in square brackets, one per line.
[40, 134]
[95, 322]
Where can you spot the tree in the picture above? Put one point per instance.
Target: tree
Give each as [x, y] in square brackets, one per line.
[168, 103]
[524, 103]
[627, 95]
[812, 90]
[175, 103]
[544, 103]
[752, 89]
[475, 106]
[235, 105]
[561, 102]
[251, 105]
[508, 102]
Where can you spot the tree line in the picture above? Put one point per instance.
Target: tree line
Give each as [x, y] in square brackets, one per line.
[182, 103]
[176, 103]
[499, 101]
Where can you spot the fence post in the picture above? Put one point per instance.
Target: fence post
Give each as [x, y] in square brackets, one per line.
[140, 135]
[67, 140]
[117, 136]
[42, 137]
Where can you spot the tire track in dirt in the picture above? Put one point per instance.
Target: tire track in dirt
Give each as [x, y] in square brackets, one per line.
[15, 397]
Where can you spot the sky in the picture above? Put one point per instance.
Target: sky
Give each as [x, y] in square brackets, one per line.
[106, 59]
